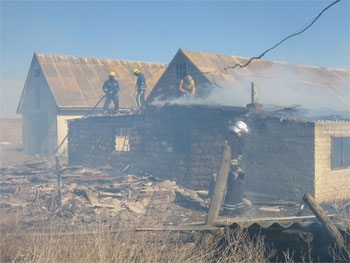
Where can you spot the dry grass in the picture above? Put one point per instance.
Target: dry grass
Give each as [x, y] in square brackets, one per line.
[343, 254]
[127, 245]
[111, 243]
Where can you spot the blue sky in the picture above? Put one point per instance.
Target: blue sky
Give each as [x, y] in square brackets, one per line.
[153, 31]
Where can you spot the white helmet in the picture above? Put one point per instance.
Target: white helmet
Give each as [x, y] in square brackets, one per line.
[240, 126]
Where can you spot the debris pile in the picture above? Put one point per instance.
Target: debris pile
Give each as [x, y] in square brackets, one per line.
[42, 191]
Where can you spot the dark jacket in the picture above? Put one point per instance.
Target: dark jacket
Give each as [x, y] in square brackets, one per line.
[141, 82]
[111, 87]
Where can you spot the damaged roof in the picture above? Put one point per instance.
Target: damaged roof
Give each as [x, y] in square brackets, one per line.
[76, 82]
[277, 83]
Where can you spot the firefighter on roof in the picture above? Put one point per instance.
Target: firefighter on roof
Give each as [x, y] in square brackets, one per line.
[111, 88]
[141, 87]
[187, 87]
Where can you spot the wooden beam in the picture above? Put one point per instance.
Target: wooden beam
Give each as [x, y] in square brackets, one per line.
[220, 185]
[325, 221]
[179, 228]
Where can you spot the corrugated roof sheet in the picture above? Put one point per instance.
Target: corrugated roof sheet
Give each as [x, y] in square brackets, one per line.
[270, 223]
[312, 87]
[77, 81]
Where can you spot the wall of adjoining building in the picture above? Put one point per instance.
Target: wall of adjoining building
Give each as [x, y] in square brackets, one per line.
[62, 131]
[38, 111]
[280, 157]
[331, 184]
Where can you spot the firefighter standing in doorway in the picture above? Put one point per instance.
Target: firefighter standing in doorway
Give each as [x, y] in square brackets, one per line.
[141, 87]
[187, 87]
[111, 89]
[235, 182]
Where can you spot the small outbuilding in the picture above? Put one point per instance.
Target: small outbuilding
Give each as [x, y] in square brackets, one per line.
[60, 87]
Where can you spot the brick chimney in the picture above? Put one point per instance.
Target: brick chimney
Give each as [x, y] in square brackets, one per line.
[254, 105]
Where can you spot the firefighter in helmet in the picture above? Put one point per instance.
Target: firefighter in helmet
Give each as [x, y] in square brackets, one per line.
[111, 89]
[235, 182]
[187, 87]
[140, 87]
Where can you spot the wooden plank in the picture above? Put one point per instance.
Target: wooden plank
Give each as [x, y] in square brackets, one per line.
[220, 185]
[180, 228]
[325, 221]
[108, 194]
[92, 197]
[287, 107]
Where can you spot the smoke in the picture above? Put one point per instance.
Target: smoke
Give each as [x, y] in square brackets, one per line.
[216, 95]
[10, 93]
[312, 88]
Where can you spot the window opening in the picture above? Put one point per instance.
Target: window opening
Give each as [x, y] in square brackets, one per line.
[340, 152]
[122, 141]
[180, 72]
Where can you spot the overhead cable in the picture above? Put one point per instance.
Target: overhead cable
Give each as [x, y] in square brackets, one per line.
[283, 40]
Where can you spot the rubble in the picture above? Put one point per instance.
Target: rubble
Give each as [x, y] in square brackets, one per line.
[82, 195]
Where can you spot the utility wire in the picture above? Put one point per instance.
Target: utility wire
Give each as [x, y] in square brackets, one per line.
[283, 40]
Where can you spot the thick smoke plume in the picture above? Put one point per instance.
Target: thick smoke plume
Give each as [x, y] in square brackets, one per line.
[320, 94]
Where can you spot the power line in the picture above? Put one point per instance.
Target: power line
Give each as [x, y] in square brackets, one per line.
[283, 40]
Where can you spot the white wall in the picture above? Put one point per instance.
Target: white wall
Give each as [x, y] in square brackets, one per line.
[62, 131]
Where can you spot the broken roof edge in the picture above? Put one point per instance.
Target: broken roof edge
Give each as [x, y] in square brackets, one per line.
[166, 107]
[308, 115]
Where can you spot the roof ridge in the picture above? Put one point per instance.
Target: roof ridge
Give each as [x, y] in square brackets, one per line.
[96, 58]
[266, 60]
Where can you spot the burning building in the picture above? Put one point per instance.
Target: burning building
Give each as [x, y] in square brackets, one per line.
[283, 157]
[299, 139]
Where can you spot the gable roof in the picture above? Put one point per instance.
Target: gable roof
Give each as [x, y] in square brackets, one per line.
[76, 82]
[278, 83]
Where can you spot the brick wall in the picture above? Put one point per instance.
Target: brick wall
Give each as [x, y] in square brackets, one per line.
[182, 144]
[279, 157]
[91, 141]
[331, 184]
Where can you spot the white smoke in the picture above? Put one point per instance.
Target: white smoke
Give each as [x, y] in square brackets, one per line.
[298, 86]
[217, 95]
